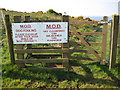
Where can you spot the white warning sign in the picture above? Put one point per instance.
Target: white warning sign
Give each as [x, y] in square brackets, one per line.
[45, 32]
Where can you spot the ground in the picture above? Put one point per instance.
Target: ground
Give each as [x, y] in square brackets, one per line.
[84, 74]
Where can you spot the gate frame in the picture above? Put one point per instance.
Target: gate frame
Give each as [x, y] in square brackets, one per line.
[20, 55]
[103, 44]
[65, 46]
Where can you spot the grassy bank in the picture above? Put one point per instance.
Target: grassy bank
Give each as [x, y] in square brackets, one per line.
[84, 74]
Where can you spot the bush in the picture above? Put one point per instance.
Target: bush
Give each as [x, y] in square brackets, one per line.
[51, 11]
[88, 19]
[80, 17]
[41, 12]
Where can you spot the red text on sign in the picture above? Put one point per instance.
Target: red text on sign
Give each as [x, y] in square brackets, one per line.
[25, 26]
[53, 26]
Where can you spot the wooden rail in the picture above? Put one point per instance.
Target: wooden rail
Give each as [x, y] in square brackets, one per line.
[88, 33]
[78, 22]
[42, 60]
[81, 43]
[41, 51]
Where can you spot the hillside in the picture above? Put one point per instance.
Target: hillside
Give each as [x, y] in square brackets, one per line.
[84, 74]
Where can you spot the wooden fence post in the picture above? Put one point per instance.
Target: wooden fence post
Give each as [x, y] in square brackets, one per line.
[66, 45]
[104, 40]
[119, 41]
[113, 51]
[29, 46]
[9, 38]
[17, 19]
[27, 18]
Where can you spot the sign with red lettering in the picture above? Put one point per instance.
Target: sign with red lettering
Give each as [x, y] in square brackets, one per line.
[44, 32]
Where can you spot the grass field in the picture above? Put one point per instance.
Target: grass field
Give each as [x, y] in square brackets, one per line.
[84, 74]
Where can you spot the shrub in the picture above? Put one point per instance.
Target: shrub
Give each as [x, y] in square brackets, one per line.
[41, 12]
[3, 9]
[51, 11]
[88, 19]
[80, 17]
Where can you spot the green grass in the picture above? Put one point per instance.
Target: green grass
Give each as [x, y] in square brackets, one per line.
[85, 74]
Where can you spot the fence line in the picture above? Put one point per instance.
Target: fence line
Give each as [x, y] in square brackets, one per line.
[64, 51]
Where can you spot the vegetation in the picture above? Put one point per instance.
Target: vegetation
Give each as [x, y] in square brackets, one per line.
[51, 11]
[2, 9]
[82, 19]
[85, 74]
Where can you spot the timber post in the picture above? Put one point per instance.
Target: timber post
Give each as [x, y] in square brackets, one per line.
[104, 40]
[65, 18]
[29, 46]
[17, 19]
[9, 39]
[113, 51]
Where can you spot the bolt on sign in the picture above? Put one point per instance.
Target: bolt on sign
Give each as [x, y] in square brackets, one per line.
[43, 32]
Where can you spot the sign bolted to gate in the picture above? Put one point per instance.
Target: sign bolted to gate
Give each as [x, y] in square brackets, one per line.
[41, 32]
